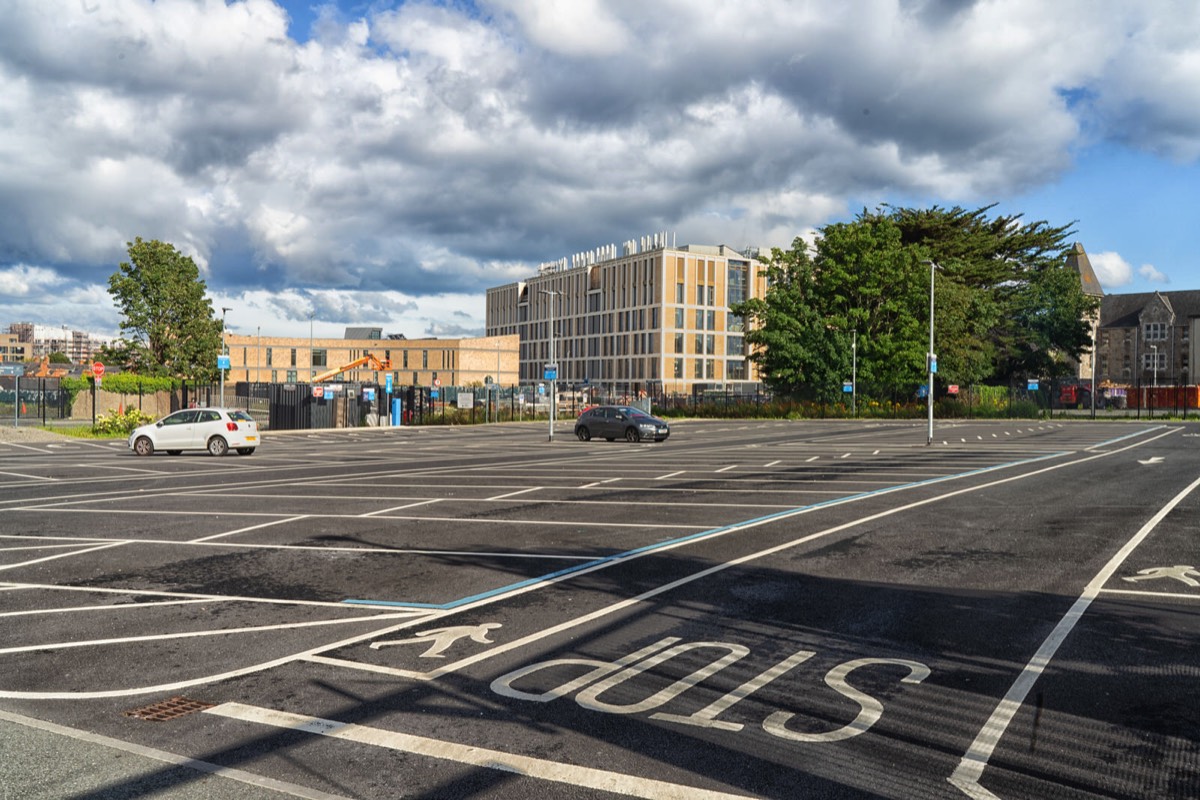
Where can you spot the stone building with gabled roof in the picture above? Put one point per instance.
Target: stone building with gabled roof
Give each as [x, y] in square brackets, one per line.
[1148, 338]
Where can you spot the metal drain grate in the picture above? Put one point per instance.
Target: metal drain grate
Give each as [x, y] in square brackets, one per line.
[168, 709]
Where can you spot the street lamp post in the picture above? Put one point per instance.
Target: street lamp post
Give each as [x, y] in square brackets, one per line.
[553, 359]
[854, 374]
[224, 352]
[930, 357]
[1154, 382]
[312, 372]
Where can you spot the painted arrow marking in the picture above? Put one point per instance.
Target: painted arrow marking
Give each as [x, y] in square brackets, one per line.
[1151, 460]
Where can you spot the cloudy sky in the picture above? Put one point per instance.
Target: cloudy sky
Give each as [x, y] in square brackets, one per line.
[384, 162]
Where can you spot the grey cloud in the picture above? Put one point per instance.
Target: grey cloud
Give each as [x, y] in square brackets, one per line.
[439, 151]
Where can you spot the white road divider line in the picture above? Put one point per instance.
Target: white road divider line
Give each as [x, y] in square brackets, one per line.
[538, 768]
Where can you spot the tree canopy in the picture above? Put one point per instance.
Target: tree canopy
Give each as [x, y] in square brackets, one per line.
[1006, 304]
[169, 328]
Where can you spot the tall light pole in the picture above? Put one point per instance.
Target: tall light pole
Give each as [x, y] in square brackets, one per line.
[930, 357]
[854, 374]
[553, 359]
[1154, 348]
[224, 352]
[257, 359]
[312, 372]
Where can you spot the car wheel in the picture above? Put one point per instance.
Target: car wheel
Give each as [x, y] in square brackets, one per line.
[143, 446]
[218, 446]
[632, 434]
[583, 433]
[245, 451]
[174, 452]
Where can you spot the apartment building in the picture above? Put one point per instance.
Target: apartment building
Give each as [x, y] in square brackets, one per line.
[653, 318]
[42, 340]
[13, 350]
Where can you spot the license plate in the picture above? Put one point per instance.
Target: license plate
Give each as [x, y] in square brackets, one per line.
[251, 438]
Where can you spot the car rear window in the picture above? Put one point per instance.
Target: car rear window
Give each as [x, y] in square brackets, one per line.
[240, 416]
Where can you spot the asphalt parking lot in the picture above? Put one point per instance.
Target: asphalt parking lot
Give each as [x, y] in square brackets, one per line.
[779, 609]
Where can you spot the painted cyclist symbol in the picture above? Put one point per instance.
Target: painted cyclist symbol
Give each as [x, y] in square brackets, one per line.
[1185, 573]
[442, 639]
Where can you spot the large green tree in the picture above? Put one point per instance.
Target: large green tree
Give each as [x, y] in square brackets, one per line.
[1005, 302]
[169, 328]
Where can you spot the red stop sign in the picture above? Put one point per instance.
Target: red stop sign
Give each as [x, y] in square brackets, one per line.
[98, 369]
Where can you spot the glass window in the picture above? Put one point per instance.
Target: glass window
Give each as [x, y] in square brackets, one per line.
[268, 356]
[679, 293]
[679, 368]
[293, 362]
[1154, 331]
[679, 343]
[1153, 361]
[319, 358]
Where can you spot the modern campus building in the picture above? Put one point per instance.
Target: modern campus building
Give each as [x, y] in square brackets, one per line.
[652, 318]
[414, 362]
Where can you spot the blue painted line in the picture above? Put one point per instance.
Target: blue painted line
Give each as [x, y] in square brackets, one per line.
[778, 515]
[1127, 436]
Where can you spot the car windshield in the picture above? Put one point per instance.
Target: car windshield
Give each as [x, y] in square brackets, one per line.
[240, 416]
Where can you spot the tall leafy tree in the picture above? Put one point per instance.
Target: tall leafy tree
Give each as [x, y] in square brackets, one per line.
[786, 331]
[1005, 302]
[169, 328]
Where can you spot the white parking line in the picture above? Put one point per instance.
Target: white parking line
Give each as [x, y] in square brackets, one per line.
[670, 475]
[248, 528]
[401, 508]
[171, 758]
[28, 477]
[159, 637]
[970, 769]
[514, 494]
[63, 555]
[539, 768]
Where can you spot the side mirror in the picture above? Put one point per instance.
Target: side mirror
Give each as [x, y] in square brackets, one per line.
[158, 424]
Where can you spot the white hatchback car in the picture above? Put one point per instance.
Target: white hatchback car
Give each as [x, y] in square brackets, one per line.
[217, 430]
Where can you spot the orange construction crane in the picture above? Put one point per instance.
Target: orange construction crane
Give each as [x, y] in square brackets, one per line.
[375, 363]
[45, 371]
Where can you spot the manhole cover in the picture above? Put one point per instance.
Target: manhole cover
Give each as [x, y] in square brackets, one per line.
[168, 709]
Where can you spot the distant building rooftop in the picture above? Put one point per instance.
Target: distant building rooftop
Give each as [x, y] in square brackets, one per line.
[364, 333]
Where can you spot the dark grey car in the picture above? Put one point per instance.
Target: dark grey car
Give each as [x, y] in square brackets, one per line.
[626, 422]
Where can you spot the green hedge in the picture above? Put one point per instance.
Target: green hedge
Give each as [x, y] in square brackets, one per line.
[120, 383]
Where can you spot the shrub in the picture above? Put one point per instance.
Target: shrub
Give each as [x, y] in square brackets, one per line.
[116, 422]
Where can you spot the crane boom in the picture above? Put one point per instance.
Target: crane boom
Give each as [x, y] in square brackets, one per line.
[375, 363]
